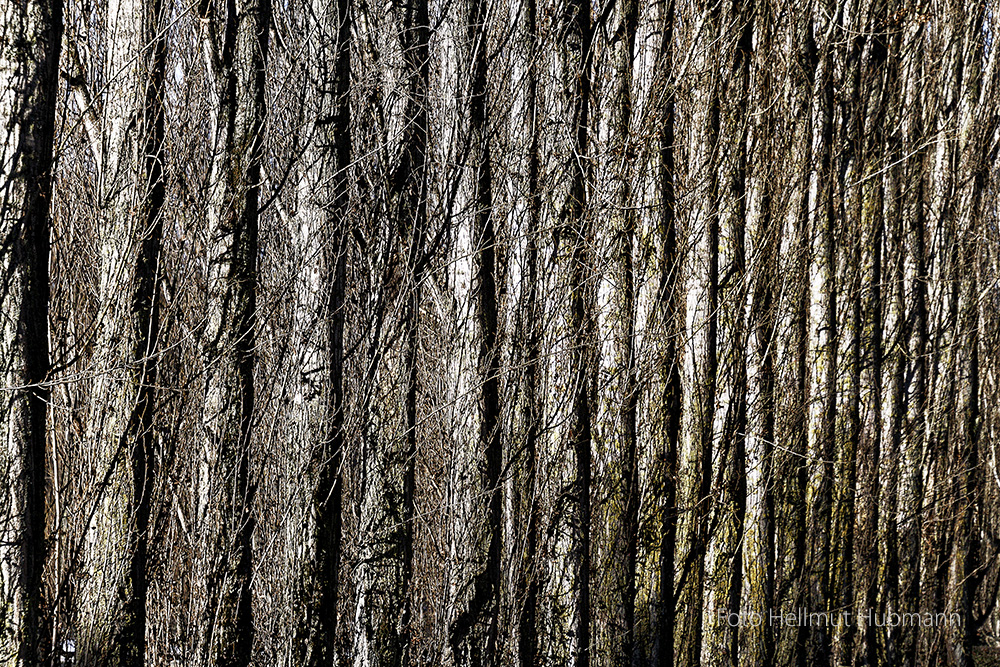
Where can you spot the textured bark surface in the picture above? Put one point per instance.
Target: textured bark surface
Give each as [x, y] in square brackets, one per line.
[579, 55]
[225, 511]
[323, 288]
[29, 62]
[474, 631]
[120, 429]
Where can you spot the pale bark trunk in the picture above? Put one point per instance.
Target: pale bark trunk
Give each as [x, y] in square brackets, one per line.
[910, 506]
[848, 178]
[725, 588]
[229, 337]
[120, 431]
[823, 338]
[625, 648]
[701, 356]
[528, 582]
[763, 242]
[384, 614]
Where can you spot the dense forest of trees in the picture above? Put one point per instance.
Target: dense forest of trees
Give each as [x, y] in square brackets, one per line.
[489, 332]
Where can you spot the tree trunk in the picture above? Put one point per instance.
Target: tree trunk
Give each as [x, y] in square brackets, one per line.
[763, 243]
[626, 648]
[874, 87]
[528, 581]
[113, 602]
[384, 616]
[911, 475]
[229, 338]
[474, 632]
[579, 45]
[29, 70]
[670, 311]
[328, 208]
[823, 340]
[701, 359]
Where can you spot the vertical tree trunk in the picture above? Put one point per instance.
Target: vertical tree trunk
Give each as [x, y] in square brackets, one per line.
[229, 338]
[823, 338]
[580, 44]
[727, 578]
[528, 579]
[669, 309]
[113, 601]
[474, 632]
[763, 239]
[911, 476]
[385, 616]
[29, 71]
[791, 581]
[874, 90]
[411, 182]
[978, 152]
[701, 360]
[848, 177]
[626, 649]
[317, 625]
[897, 322]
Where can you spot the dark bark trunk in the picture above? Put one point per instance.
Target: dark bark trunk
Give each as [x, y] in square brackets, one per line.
[579, 45]
[528, 580]
[30, 48]
[317, 629]
[669, 309]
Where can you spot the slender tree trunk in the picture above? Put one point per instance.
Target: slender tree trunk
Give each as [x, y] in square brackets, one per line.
[29, 71]
[474, 632]
[823, 340]
[874, 89]
[670, 310]
[978, 146]
[229, 338]
[701, 362]
[528, 580]
[848, 175]
[911, 475]
[763, 243]
[579, 45]
[726, 588]
[791, 575]
[113, 602]
[626, 649]
[385, 610]
[317, 626]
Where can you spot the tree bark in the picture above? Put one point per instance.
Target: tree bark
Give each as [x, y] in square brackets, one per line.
[626, 649]
[701, 358]
[528, 581]
[579, 43]
[385, 610]
[113, 601]
[474, 632]
[669, 308]
[29, 70]
[229, 337]
[823, 338]
[328, 184]
[763, 243]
